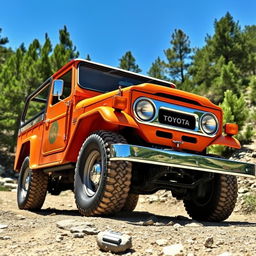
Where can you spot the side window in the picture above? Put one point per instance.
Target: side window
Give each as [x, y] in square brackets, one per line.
[37, 105]
[67, 78]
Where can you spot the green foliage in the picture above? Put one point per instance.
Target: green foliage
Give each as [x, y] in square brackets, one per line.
[3, 189]
[22, 73]
[128, 62]
[249, 205]
[252, 86]
[235, 109]
[157, 69]
[177, 56]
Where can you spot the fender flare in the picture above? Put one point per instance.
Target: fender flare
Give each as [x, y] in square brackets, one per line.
[110, 115]
[27, 150]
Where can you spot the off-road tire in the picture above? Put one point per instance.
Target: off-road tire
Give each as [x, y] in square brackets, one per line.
[37, 182]
[114, 179]
[130, 203]
[220, 203]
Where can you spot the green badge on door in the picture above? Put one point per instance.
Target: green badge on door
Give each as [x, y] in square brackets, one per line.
[53, 133]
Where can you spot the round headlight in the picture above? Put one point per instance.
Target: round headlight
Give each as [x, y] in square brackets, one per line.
[144, 110]
[209, 124]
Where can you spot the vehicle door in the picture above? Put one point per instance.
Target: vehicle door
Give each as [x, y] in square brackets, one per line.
[58, 116]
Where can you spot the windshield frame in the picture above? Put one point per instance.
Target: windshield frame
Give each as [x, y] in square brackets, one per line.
[121, 73]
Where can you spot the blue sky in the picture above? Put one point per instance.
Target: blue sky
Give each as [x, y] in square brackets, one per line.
[107, 29]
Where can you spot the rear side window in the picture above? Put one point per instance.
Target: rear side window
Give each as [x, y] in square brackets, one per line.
[37, 105]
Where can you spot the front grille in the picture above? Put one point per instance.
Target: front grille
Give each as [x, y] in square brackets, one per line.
[176, 119]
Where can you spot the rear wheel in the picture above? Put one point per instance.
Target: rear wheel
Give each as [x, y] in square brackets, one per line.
[217, 202]
[130, 203]
[101, 186]
[32, 187]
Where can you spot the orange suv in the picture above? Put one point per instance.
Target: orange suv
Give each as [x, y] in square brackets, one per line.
[110, 135]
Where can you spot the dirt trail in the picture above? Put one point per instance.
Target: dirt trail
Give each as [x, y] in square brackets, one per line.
[36, 233]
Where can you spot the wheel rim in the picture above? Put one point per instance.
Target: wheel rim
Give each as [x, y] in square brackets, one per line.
[92, 173]
[25, 183]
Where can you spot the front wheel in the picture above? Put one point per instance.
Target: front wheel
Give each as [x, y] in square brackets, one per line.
[32, 187]
[101, 186]
[217, 202]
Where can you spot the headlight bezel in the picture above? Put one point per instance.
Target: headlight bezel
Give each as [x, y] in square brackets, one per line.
[138, 116]
[202, 126]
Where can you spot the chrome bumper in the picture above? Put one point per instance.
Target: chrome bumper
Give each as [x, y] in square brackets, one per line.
[180, 160]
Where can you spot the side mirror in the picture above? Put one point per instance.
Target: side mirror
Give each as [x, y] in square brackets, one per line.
[58, 88]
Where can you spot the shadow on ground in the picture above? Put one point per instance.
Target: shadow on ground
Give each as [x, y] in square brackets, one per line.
[139, 218]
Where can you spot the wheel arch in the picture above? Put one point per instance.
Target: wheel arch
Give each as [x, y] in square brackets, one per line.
[24, 152]
[101, 118]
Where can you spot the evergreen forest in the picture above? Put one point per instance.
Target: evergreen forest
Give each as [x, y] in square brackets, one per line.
[223, 70]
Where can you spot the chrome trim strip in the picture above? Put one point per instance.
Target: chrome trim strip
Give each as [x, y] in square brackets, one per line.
[32, 123]
[182, 160]
[169, 106]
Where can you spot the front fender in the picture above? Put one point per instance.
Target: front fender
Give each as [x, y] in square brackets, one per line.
[110, 115]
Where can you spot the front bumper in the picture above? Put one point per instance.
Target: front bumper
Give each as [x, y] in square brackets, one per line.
[180, 160]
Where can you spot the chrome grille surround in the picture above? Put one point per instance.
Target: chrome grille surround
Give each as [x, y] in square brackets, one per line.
[179, 109]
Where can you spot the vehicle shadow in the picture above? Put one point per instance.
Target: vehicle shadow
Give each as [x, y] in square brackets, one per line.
[141, 218]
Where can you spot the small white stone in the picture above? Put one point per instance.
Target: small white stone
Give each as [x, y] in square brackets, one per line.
[3, 226]
[161, 242]
[173, 250]
[225, 254]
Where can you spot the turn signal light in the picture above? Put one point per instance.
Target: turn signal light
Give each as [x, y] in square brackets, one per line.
[119, 102]
[231, 129]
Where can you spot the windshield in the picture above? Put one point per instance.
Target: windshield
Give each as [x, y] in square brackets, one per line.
[106, 79]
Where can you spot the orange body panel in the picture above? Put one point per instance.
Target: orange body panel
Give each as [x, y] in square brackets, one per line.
[58, 137]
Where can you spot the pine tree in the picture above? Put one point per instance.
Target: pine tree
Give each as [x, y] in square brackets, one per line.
[228, 80]
[128, 62]
[88, 57]
[253, 90]
[46, 69]
[178, 56]
[4, 52]
[157, 69]
[64, 51]
[235, 109]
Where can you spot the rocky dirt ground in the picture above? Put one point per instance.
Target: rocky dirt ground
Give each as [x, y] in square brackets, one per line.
[158, 226]
[157, 223]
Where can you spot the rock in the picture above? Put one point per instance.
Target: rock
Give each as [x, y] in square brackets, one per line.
[225, 254]
[149, 251]
[173, 250]
[114, 241]
[3, 226]
[170, 223]
[85, 230]
[10, 185]
[5, 238]
[243, 190]
[194, 224]
[208, 243]
[71, 223]
[9, 181]
[161, 242]
[59, 238]
[177, 226]
[20, 217]
[151, 221]
[78, 235]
